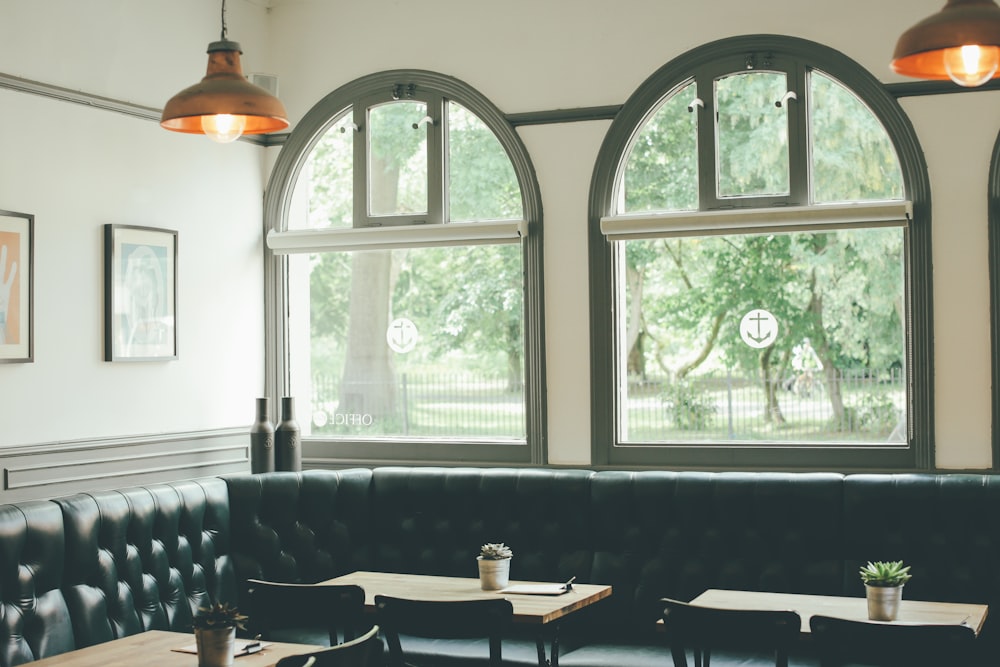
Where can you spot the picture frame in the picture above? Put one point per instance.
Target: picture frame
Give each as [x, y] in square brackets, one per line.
[17, 287]
[140, 293]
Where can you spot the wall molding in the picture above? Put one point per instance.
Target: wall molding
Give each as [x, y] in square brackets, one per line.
[67, 467]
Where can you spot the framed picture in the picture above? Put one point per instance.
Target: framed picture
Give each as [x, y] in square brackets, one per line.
[140, 293]
[17, 286]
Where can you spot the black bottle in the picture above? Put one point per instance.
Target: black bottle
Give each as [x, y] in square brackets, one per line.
[262, 440]
[287, 440]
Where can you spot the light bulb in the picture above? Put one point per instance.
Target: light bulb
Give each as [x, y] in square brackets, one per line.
[223, 128]
[971, 65]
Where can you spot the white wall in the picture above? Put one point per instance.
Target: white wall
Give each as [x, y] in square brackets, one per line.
[76, 169]
[525, 55]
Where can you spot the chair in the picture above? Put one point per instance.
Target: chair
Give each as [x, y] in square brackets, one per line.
[355, 653]
[304, 613]
[702, 629]
[839, 642]
[465, 619]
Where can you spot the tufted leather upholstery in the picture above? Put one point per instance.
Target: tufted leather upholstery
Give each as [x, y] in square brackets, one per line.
[299, 527]
[145, 558]
[673, 534]
[941, 525]
[433, 520]
[88, 568]
[34, 619]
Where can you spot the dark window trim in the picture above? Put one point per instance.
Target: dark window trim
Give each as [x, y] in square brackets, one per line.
[277, 202]
[883, 104]
[706, 77]
[993, 221]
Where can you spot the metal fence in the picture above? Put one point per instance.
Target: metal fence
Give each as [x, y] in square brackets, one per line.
[423, 404]
[714, 406]
[727, 406]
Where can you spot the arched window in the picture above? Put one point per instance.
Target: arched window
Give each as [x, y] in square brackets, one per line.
[404, 224]
[759, 228]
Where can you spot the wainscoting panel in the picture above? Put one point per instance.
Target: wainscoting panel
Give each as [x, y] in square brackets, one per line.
[63, 468]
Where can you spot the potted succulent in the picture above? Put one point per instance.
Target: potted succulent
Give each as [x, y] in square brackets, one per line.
[494, 566]
[883, 582]
[215, 634]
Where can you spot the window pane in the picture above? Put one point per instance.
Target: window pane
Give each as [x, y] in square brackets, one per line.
[752, 134]
[776, 337]
[397, 158]
[412, 343]
[324, 196]
[481, 180]
[661, 168]
[853, 158]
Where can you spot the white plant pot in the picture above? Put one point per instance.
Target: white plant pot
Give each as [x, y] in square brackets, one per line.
[216, 646]
[493, 574]
[883, 602]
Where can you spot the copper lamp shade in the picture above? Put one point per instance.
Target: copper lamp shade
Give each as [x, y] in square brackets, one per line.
[224, 104]
[961, 42]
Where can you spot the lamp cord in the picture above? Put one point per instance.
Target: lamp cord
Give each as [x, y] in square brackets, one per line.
[224, 30]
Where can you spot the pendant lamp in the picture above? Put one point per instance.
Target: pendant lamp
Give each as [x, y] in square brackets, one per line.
[224, 105]
[961, 43]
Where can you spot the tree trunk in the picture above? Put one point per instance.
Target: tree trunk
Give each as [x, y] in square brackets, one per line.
[515, 372]
[636, 364]
[773, 412]
[825, 355]
[706, 349]
[368, 385]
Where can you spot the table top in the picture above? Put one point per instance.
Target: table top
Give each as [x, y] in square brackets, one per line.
[855, 609]
[533, 609]
[155, 647]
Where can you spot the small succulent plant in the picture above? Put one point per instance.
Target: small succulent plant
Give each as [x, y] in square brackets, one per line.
[885, 573]
[495, 552]
[219, 615]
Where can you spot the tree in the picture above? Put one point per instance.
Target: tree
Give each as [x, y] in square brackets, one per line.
[464, 301]
[841, 289]
[368, 383]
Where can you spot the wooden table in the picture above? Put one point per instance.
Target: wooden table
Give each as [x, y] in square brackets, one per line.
[540, 610]
[855, 609]
[154, 648]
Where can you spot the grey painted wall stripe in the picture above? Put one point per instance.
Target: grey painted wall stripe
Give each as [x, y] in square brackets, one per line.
[11, 82]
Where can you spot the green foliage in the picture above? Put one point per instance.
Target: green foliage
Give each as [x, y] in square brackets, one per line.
[328, 174]
[875, 413]
[843, 290]
[685, 296]
[495, 551]
[219, 615]
[466, 302]
[853, 158]
[752, 134]
[885, 573]
[665, 151]
[689, 408]
[482, 184]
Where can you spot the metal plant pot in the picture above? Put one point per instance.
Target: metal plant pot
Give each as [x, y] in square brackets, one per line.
[493, 574]
[216, 646]
[883, 602]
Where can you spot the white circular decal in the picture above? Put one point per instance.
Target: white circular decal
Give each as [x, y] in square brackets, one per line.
[401, 335]
[759, 328]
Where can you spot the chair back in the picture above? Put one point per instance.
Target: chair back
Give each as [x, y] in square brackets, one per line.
[465, 619]
[840, 642]
[360, 652]
[702, 629]
[279, 606]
